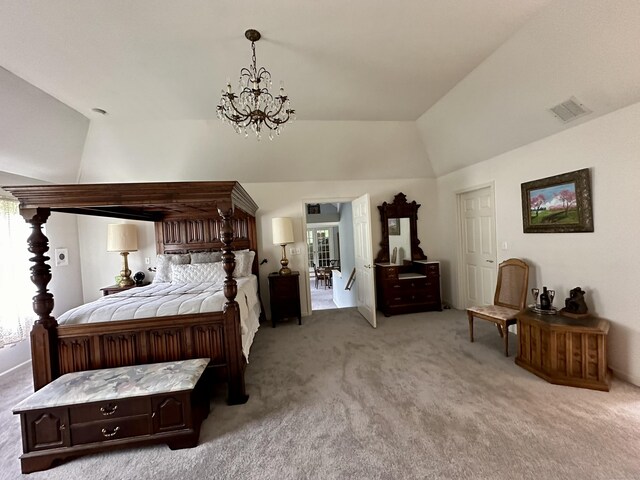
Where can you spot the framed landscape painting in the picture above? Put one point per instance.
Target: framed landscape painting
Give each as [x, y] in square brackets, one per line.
[558, 204]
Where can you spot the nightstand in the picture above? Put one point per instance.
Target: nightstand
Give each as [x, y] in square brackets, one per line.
[284, 291]
[116, 288]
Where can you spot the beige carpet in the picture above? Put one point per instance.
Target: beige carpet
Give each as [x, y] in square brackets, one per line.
[335, 399]
[321, 297]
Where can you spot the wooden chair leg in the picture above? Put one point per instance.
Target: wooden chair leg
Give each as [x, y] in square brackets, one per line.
[470, 315]
[506, 341]
[500, 330]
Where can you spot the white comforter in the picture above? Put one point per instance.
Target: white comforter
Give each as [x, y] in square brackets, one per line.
[164, 299]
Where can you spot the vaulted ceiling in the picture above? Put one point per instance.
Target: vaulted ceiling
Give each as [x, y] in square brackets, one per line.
[477, 76]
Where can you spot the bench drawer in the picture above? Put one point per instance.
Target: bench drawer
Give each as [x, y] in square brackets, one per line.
[109, 410]
[110, 430]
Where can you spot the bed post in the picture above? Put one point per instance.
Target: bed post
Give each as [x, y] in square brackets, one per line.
[44, 347]
[235, 359]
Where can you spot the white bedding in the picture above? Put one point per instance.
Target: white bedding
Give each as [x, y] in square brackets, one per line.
[164, 299]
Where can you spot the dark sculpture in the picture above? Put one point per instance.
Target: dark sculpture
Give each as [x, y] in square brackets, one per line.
[139, 278]
[575, 303]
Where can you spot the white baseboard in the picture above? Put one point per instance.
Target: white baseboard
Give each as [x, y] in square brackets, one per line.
[625, 376]
[14, 368]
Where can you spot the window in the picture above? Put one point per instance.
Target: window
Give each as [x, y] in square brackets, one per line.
[320, 246]
[16, 289]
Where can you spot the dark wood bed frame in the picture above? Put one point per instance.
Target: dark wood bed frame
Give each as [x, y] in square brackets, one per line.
[188, 217]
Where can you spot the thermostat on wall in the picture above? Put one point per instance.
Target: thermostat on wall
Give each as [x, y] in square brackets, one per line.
[62, 257]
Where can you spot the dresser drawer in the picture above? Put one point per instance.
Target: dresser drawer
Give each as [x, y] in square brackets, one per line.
[109, 410]
[413, 298]
[413, 285]
[433, 270]
[126, 427]
[389, 272]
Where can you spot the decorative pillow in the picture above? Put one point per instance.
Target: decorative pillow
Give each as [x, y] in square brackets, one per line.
[198, 273]
[164, 262]
[206, 257]
[244, 262]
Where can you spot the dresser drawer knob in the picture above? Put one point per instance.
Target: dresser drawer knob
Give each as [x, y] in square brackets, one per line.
[110, 409]
[108, 434]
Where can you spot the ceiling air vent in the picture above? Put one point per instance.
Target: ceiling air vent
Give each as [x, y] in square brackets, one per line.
[569, 110]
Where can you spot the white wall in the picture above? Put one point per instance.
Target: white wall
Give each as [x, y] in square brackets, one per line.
[120, 151]
[40, 137]
[604, 263]
[99, 267]
[341, 297]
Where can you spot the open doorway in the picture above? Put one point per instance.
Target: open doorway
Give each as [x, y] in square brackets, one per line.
[330, 254]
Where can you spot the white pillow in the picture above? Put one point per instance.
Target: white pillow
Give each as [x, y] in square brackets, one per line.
[164, 262]
[206, 257]
[198, 273]
[244, 262]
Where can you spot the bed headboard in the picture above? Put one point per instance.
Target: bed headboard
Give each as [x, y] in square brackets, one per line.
[204, 235]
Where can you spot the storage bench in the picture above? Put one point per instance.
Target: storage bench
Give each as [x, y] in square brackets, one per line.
[98, 410]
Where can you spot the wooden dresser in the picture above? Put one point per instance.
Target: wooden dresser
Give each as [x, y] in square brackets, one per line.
[564, 351]
[97, 410]
[409, 288]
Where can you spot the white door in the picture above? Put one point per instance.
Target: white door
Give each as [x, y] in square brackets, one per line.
[478, 220]
[365, 282]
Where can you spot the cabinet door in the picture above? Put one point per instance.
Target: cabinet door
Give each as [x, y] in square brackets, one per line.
[171, 412]
[45, 429]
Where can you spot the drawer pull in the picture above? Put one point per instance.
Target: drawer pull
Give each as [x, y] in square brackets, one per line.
[108, 434]
[396, 286]
[62, 427]
[110, 409]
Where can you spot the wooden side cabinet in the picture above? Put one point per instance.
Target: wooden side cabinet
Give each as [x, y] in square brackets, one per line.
[284, 291]
[563, 350]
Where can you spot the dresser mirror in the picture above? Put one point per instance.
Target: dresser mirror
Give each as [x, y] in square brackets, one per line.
[400, 242]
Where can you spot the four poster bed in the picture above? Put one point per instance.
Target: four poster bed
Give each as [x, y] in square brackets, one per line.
[189, 218]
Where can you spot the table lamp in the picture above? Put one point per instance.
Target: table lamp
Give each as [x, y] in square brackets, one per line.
[282, 235]
[123, 238]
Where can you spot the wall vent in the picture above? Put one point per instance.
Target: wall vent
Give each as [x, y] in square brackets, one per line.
[569, 110]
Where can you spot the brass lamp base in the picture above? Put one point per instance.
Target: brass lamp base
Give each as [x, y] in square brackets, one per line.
[125, 273]
[285, 270]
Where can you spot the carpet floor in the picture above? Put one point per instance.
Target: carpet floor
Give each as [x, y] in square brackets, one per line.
[412, 399]
[321, 297]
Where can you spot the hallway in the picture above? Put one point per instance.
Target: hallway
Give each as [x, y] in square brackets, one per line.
[321, 297]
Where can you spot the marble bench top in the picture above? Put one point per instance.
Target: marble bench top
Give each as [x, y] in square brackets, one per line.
[116, 383]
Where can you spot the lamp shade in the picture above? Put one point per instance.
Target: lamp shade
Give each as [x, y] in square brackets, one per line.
[122, 237]
[282, 231]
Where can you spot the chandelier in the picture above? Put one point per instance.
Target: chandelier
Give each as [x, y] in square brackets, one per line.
[254, 106]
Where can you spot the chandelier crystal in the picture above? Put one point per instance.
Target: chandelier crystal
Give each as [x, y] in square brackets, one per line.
[255, 107]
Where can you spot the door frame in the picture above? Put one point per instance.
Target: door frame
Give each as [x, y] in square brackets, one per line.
[462, 284]
[305, 202]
